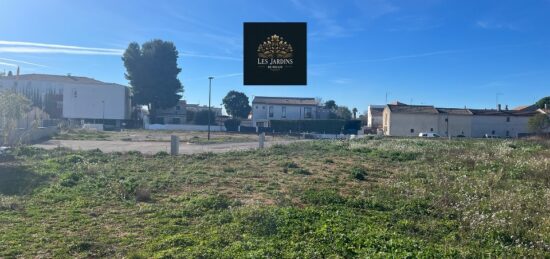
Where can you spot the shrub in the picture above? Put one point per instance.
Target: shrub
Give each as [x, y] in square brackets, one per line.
[143, 194]
[358, 173]
[161, 154]
[232, 124]
[301, 171]
[70, 179]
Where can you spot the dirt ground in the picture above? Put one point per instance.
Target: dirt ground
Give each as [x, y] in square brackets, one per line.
[152, 147]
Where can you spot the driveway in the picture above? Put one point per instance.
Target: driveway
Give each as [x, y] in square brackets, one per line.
[153, 147]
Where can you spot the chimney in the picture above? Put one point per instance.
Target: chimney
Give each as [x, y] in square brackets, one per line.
[498, 107]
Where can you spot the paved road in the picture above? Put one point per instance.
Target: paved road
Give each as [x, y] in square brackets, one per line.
[153, 147]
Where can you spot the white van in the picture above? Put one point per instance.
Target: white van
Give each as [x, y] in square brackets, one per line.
[428, 135]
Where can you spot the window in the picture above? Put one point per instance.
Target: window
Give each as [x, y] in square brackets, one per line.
[493, 132]
[263, 107]
[307, 112]
[270, 111]
[431, 129]
[507, 119]
[256, 107]
[283, 112]
[176, 120]
[412, 130]
[178, 107]
[446, 119]
[507, 133]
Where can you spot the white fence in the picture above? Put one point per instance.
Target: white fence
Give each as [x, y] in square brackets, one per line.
[184, 127]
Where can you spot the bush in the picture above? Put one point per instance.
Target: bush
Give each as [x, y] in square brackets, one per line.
[232, 124]
[352, 126]
[161, 154]
[201, 117]
[358, 173]
[143, 194]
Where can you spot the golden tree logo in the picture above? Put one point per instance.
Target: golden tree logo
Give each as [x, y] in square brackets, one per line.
[275, 47]
[275, 53]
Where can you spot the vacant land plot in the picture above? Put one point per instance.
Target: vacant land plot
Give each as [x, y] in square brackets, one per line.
[153, 147]
[194, 137]
[315, 199]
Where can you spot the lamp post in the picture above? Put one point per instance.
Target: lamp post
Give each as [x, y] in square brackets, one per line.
[209, 99]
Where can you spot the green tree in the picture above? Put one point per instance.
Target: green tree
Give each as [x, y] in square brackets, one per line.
[539, 123]
[236, 104]
[543, 101]
[343, 112]
[331, 105]
[13, 107]
[354, 113]
[152, 70]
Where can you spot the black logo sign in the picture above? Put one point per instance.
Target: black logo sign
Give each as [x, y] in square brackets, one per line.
[275, 54]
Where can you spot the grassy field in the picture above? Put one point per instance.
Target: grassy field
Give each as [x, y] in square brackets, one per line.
[195, 137]
[338, 199]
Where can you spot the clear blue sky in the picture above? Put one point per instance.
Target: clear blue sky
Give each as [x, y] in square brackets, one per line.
[445, 53]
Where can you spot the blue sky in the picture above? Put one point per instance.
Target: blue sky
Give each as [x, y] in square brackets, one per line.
[445, 53]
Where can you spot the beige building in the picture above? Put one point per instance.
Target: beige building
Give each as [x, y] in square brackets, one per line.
[410, 120]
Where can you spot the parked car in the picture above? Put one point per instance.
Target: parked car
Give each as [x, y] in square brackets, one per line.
[428, 135]
[490, 136]
[460, 136]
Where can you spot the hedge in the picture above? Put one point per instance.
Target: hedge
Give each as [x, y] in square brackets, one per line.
[317, 126]
[232, 124]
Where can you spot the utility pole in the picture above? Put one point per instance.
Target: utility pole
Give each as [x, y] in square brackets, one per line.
[209, 99]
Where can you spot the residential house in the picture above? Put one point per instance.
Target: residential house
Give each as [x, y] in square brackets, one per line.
[409, 120]
[265, 109]
[183, 113]
[72, 97]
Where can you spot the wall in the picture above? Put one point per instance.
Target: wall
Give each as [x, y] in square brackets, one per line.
[400, 124]
[482, 124]
[458, 125]
[92, 101]
[184, 127]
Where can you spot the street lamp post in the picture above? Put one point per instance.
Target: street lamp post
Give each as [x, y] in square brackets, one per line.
[209, 99]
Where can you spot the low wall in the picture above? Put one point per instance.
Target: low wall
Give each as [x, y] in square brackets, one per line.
[98, 127]
[184, 127]
[27, 136]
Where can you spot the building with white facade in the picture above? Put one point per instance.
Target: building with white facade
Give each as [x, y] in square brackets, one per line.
[265, 109]
[410, 120]
[73, 97]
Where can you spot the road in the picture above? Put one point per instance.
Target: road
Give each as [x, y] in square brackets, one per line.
[152, 147]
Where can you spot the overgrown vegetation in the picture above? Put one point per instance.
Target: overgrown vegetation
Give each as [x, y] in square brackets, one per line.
[361, 198]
